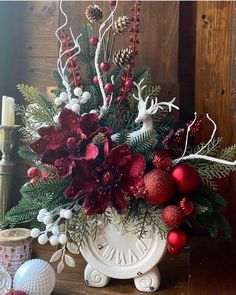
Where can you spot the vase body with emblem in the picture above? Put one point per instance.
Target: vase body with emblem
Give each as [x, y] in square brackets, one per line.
[119, 254]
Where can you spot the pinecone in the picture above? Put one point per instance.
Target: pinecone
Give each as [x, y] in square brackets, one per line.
[187, 206]
[123, 56]
[121, 24]
[93, 13]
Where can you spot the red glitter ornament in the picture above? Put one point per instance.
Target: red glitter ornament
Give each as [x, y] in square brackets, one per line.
[177, 240]
[185, 177]
[32, 172]
[162, 160]
[105, 66]
[187, 206]
[173, 216]
[160, 186]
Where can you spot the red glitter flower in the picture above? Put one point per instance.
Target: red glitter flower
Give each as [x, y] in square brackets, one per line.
[109, 183]
[61, 145]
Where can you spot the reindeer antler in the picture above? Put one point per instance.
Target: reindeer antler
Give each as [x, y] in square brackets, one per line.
[140, 89]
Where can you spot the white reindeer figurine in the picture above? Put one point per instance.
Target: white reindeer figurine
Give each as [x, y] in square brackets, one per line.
[144, 114]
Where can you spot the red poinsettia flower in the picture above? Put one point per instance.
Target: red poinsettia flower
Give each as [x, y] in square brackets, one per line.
[107, 183]
[73, 138]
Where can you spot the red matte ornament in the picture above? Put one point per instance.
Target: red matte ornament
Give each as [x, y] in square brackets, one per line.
[160, 186]
[185, 177]
[129, 84]
[95, 80]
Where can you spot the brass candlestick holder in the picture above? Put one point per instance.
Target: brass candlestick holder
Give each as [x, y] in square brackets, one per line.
[7, 141]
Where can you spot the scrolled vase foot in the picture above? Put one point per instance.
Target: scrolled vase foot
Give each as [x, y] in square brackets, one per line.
[148, 282]
[94, 278]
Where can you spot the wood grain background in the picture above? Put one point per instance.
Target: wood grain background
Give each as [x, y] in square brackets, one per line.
[190, 46]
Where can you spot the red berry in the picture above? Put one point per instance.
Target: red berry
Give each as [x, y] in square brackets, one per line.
[112, 2]
[15, 292]
[33, 180]
[93, 41]
[105, 66]
[129, 84]
[32, 172]
[173, 216]
[95, 80]
[109, 87]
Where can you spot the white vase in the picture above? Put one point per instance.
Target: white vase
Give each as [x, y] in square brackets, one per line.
[119, 254]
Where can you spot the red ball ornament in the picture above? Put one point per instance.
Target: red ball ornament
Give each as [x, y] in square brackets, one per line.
[162, 160]
[177, 240]
[173, 250]
[93, 41]
[109, 87]
[173, 216]
[105, 66]
[95, 80]
[129, 84]
[14, 292]
[32, 172]
[185, 177]
[160, 186]
[112, 2]
[187, 206]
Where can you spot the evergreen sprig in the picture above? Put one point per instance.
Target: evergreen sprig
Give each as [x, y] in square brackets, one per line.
[28, 154]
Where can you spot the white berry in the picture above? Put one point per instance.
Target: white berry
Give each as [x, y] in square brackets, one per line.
[43, 239]
[78, 91]
[83, 101]
[43, 211]
[63, 239]
[47, 219]
[93, 112]
[55, 230]
[68, 106]
[75, 108]
[86, 95]
[68, 214]
[55, 119]
[63, 96]
[62, 213]
[49, 227]
[58, 101]
[40, 217]
[73, 101]
[54, 240]
[35, 232]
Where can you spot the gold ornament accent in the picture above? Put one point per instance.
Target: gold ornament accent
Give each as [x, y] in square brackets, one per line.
[93, 13]
[121, 24]
[122, 57]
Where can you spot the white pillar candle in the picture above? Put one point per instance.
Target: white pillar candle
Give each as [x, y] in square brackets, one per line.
[8, 111]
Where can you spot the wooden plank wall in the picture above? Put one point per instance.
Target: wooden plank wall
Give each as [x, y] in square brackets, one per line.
[216, 77]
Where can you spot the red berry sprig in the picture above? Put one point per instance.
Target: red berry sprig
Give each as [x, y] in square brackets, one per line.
[73, 68]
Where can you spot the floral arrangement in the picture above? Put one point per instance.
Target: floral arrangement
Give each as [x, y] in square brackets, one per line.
[106, 145]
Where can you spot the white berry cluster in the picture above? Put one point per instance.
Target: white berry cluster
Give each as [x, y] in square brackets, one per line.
[73, 104]
[55, 230]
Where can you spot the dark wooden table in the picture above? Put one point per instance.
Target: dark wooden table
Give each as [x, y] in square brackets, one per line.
[207, 267]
